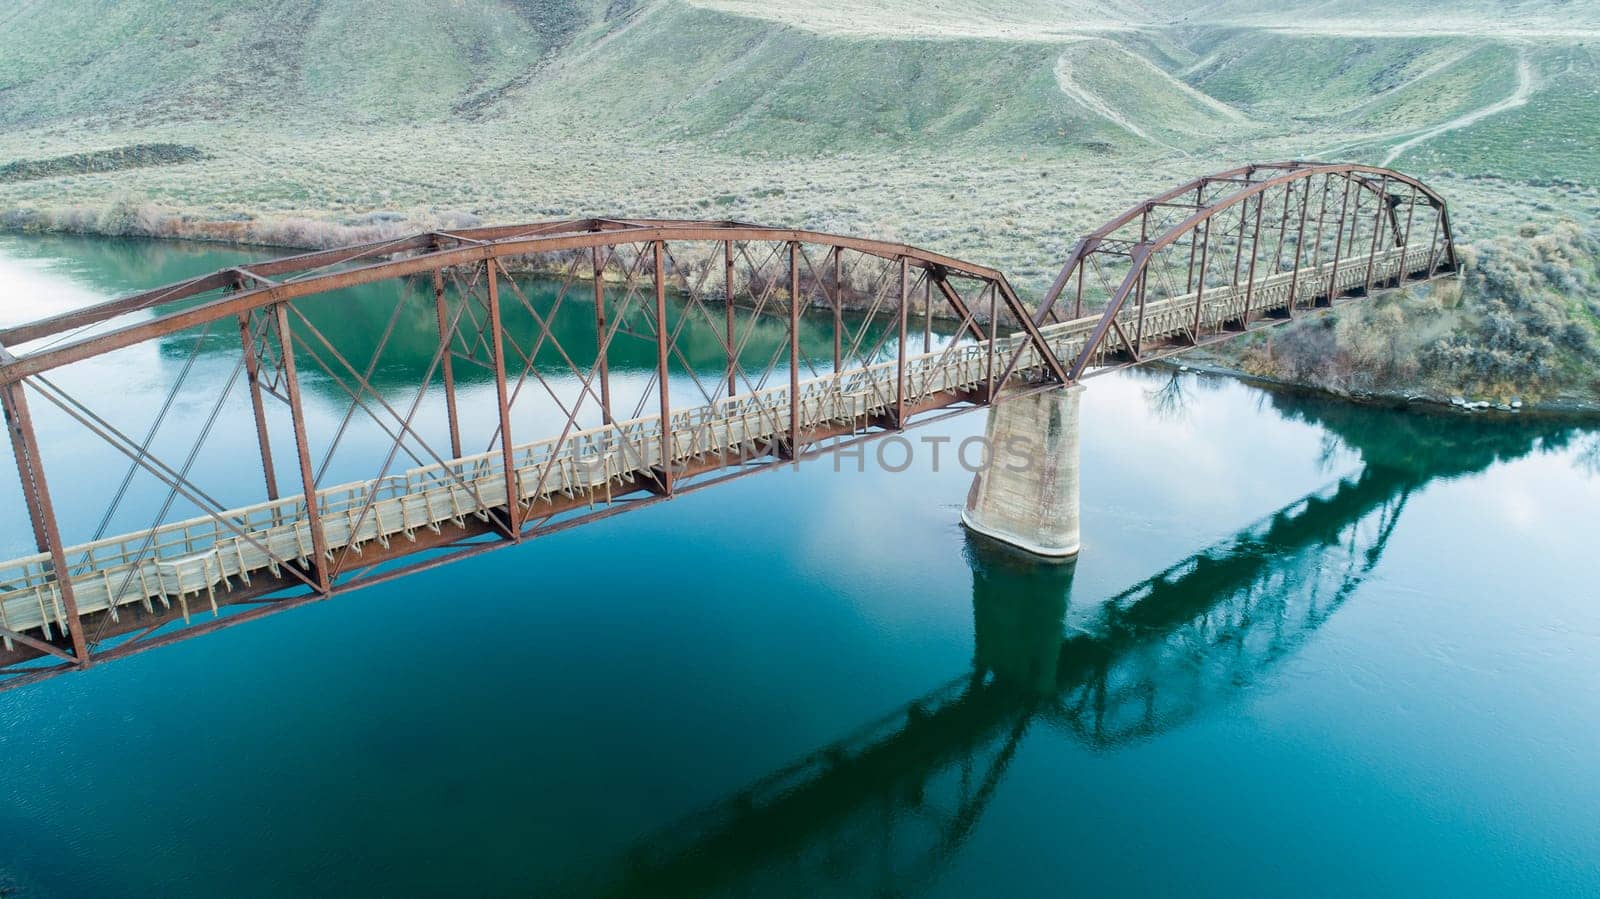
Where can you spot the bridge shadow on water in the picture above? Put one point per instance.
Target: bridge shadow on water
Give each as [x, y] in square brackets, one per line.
[883, 809]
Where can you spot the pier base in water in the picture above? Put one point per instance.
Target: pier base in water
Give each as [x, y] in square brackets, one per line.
[1028, 495]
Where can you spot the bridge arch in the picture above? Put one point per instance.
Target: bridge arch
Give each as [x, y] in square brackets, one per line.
[1306, 234]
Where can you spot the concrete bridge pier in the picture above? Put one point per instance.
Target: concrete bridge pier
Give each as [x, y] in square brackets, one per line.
[1027, 496]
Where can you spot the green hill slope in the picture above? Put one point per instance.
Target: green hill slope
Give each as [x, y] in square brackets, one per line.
[273, 108]
[796, 78]
[134, 63]
[751, 83]
[996, 130]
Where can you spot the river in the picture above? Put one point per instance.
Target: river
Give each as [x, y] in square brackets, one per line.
[1309, 648]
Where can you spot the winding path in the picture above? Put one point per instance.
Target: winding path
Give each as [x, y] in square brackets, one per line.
[1518, 98]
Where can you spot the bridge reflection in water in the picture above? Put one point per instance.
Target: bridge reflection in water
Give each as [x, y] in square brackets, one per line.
[883, 809]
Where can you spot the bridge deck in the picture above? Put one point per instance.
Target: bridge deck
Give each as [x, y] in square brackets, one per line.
[191, 561]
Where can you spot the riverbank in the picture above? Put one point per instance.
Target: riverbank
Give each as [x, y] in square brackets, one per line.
[1210, 362]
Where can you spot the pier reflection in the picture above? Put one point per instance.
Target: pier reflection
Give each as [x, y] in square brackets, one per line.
[883, 809]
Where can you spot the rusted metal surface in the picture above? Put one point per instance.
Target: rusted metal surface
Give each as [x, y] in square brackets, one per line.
[650, 288]
[308, 481]
[41, 515]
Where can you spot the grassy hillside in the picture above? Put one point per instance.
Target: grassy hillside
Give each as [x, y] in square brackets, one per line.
[1551, 136]
[999, 130]
[745, 83]
[116, 63]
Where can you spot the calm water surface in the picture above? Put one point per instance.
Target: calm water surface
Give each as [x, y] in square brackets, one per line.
[1308, 648]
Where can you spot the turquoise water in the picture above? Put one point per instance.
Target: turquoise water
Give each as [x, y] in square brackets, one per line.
[1308, 648]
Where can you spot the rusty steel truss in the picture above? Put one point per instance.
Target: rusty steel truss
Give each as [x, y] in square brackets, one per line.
[712, 316]
[1241, 249]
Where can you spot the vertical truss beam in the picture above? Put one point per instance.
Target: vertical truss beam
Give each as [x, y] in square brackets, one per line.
[730, 322]
[602, 364]
[1140, 292]
[838, 308]
[41, 512]
[1200, 286]
[1339, 240]
[900, 352]
[447, 336]
[1377, 231]
[927, 313]
[308, 480]
[503, 399]
[994, 338]
[1432, 242]
[663, 351]
[1322, 220]
[1255, 241]
[794, 351]
[1405, 242]
[1300, 246]
[252, 373]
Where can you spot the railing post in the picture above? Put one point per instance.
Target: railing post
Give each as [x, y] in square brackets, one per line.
[447, 338]
[308, 480]
[602, 364]
[41, 513]
[662, 351]
[252, 374]
[794, 351]
[900, 351]
[503, 397]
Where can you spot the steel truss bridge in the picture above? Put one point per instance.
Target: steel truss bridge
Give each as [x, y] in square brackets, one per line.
[764, 345]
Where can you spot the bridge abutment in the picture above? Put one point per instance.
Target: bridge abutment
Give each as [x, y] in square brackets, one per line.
[1028, 495]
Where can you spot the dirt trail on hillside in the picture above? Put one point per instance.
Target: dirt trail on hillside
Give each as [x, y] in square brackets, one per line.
[1095, 103]
[1525, 84]
[1092, 102]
